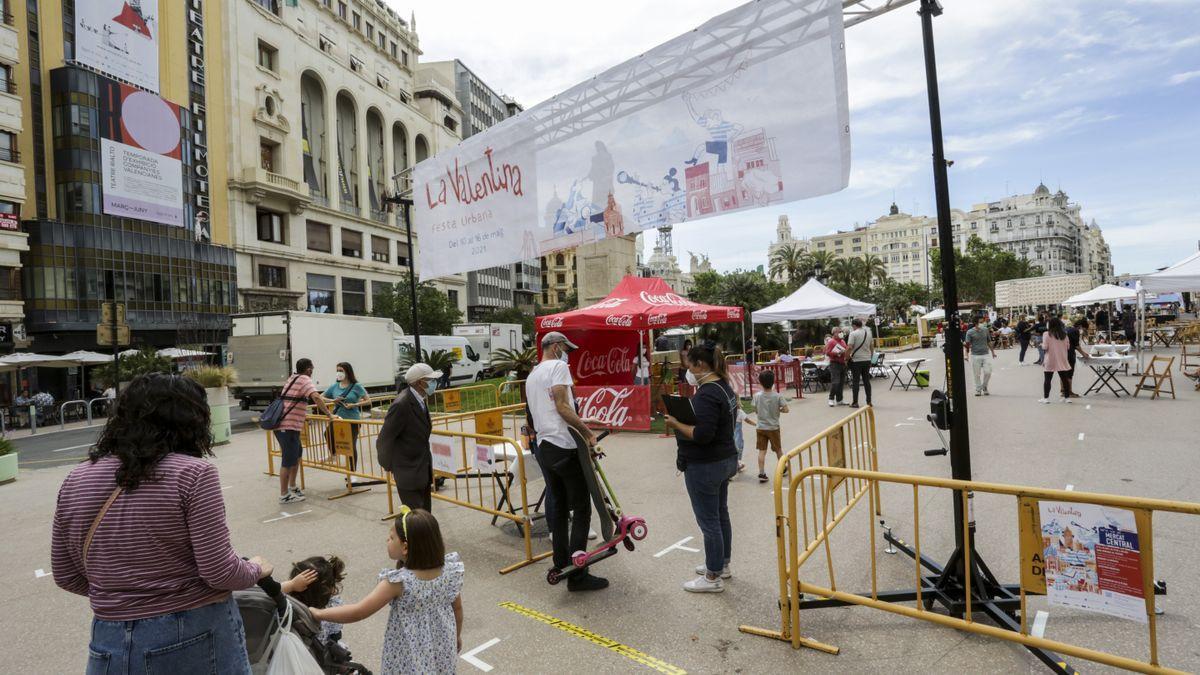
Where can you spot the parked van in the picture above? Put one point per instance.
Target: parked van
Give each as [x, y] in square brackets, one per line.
[486, 338]
[468, 365]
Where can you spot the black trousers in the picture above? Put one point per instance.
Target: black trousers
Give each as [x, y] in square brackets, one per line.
[417, 499]
[1064, 379]
[1024, 342]
[860, 371]
[568, 489]
[837, 378]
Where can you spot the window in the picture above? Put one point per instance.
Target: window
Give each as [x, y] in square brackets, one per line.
[357, 22]
[402, 254]
[393, 49]
[558, 259]
[379, 289]
[271, 276]
[271, 6]
[270, 227]
[356, 64]
[342, 10]
[267, 56]
[354, 296]
[8, 147]
[370, 31]
[268, 153]
[321, 291]
[380, 249]
[452, 296]
[381, 81]
[404, 58]
[6, 79]
[560, 278]
[326, 44]
[382, 40]
[318, 237]
[351, 243]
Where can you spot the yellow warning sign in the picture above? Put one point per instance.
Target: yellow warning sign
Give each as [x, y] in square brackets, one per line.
[1033, 556]
[452, 400]
[343, 438]
[489, 423]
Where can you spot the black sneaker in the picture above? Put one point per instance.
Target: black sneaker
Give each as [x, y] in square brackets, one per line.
[587, 582]
[853, 405]
[762, 478]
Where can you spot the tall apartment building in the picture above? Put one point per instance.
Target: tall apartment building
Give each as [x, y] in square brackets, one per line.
[503, 286]
[326, 105]
[125, 194]
[13, 241]
[558, 278]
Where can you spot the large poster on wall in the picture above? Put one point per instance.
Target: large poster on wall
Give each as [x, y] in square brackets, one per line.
[748, 110]
[141, 164]
[119, 37]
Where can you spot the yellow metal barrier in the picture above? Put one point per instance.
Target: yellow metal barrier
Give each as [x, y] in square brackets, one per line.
[464, 399]
[490, 472]
[898, 342]
[511, 392]
[836, 489]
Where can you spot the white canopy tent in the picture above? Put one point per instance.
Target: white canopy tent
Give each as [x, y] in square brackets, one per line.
[1101, 294]
[177, 353]
[938, 314]
[1182, 276]
[813, 300]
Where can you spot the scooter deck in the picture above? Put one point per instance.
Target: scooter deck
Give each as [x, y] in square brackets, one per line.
[600, 497]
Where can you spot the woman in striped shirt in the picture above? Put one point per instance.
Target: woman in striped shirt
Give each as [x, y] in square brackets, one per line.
[140, 530]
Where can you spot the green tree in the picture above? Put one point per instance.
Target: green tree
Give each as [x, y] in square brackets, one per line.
[874, 268]
[513, 315]
[788, 264]
[824, 259]
[978, 270]
[434, 311]
[750, 290]
[142, 363]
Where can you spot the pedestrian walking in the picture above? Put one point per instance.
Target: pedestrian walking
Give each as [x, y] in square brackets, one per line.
[977, 345]
[140, 531]
[1024, 336]
[1057, 347]
[861, 346]
[836, 352]
[767, 406]
[403, 442]
[1039, 332]
[298, 392]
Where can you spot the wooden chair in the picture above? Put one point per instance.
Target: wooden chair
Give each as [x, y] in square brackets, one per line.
[1159, 371]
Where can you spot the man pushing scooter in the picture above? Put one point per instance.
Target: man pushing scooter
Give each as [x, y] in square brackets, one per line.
[548, 390]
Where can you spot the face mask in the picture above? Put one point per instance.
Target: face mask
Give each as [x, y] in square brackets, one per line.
[430, 386]
[691, 379]
[340, 376]
[563, 357]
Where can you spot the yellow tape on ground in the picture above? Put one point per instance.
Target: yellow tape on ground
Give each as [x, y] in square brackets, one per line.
[624, 650]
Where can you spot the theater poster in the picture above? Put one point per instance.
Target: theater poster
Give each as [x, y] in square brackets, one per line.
[119, 37]
[141, 165]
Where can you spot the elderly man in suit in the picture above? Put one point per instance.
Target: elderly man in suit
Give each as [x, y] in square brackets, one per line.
[403, 443]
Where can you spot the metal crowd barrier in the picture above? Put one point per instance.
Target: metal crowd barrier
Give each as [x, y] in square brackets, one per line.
[464, 399]
[812, 502]
[490, 465]
[898, 342]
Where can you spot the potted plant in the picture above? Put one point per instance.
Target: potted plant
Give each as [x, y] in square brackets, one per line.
[216, 381]
[8, 461]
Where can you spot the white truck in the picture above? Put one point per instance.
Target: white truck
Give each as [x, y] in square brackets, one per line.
[467, 367]
[264, 348]
[487, 337]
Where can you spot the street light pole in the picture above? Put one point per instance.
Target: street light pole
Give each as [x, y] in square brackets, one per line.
[403, 198]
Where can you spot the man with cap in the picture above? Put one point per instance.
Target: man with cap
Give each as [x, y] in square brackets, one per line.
[403, 443]
[552, 410]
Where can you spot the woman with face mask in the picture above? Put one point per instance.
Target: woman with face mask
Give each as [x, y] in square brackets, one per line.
[835, 350]
[349, 398]
[708, 458]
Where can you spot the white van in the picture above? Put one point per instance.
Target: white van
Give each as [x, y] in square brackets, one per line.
[486, 338]
[468, 366]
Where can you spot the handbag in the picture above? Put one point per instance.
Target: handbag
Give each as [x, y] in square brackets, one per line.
[87, 540]
[273, 416]
[291, 656]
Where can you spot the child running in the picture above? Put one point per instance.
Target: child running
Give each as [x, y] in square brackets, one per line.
[767, 406]
[424, 629]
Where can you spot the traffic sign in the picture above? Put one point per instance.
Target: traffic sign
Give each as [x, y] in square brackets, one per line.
[106, 313]
[104, 335]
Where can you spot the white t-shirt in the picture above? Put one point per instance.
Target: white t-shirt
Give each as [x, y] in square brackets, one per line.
[550, 426]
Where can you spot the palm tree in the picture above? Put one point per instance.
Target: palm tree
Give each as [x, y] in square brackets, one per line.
[822, 259]
[873, 267]
[788, 263]
[843, 271]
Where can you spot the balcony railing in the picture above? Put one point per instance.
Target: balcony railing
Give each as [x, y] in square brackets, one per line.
[346, 207]
[320, 200]
[9, 86]
[378, 215]
[10, 155]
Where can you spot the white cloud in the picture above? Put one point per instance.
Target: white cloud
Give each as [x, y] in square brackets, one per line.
[1180, 78]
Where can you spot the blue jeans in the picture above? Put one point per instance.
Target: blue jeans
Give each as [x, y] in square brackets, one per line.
[207, 639]
[708, 488]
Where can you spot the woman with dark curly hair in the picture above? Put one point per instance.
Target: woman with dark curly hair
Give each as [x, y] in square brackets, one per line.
[140, 530]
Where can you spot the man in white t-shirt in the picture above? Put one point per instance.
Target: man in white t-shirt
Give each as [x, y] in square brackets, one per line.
[552, 411]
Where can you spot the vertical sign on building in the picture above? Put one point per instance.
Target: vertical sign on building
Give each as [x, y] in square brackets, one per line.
[199, 129]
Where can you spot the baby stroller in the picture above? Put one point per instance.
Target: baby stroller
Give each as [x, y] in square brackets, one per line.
[263, 610]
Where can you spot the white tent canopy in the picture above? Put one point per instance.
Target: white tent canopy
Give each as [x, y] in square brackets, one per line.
[31, 360]
[813, 300]
[1099, 294]
[1182, 276]
[86, 358]
[938, 314]
[176, 353]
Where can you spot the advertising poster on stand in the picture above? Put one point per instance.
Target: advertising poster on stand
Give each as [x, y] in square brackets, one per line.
[141, 164]
[1092, 559]
[119, 37]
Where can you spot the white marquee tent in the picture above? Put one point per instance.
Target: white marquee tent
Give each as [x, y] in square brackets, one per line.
[1101, 294]
[1182, 276]
[813, 300]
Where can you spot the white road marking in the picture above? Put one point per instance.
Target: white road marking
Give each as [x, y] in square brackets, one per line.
[74, 447]
[905, 424]
[1039, 624]
[1070, 487]
[916, 419]
[39, 573]
[470, 658]
[677, 545]
[285, 514]
[1081, 435]
[225, 487]
[1088, 407]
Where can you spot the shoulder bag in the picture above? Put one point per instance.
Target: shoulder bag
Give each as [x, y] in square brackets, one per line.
[273, 416]
[87, 540]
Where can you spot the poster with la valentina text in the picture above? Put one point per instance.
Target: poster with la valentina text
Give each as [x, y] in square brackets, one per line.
[1092, 559]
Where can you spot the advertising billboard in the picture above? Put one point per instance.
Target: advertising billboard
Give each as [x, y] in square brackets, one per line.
[119, 37]
[140, 156]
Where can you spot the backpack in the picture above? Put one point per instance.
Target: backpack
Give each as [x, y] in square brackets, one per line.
[273, 416]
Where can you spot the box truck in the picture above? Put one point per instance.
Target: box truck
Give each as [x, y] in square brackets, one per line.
[264, 348]
[487, 337]
[467, 367]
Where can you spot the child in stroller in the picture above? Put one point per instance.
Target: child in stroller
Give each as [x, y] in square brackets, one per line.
[263, 610]
[316, 582]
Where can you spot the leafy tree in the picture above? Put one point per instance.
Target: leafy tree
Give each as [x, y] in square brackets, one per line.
[438, 359]
[823, 258]
[520, 360]
[892, 299]
[750, 290]
[434, 311]
[513, 315]
[142, 363]
[978, 270]
[873, 267]
[789, 263]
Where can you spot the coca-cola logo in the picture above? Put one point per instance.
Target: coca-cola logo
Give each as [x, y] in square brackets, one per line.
[665, 299]
[552, 322]
[615, 361]
[624, 320]
[700, 315]
[606, 404]
[656, 320]
[733, 313]
[607, 303]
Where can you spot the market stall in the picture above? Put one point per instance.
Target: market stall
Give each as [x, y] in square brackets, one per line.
[609, 333]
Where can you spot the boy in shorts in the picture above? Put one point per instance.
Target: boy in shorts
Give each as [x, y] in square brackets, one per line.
[767, 406]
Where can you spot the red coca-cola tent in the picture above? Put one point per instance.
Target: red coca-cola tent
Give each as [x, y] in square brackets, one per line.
[608, 334]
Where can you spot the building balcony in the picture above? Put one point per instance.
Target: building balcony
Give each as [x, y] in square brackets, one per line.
[8, 41]
[259, 184]
[12, 182]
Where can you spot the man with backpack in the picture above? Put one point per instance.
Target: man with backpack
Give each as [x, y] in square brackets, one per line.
[861, 346]
[297, 394]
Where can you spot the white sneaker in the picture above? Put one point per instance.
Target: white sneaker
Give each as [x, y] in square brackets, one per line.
[287, 499]
[832, 403]
[725, 573]
[298, 492]
[702, 584]
[1044, 400]
[1062, 399]
[592, 535]
[296, 495]
[355, 480]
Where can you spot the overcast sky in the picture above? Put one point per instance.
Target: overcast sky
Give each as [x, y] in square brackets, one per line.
[1098, 98]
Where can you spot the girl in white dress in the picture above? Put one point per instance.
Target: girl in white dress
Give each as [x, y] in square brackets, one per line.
[424, 629]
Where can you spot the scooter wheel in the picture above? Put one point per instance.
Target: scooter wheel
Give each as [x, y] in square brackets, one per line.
[553, 576]
[628, 544]
[639, 531]
[580, 558]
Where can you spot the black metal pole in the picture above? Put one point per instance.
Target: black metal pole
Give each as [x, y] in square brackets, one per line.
[960, 442]
[116, 350]
[405, 205]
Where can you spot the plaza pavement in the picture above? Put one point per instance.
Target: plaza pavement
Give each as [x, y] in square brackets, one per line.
[1129, 446]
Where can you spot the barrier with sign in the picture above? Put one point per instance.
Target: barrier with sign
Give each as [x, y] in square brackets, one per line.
[1085, 550]
[464, 399]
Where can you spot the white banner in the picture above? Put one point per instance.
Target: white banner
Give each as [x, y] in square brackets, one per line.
[748, 110]
[140, 154]
[119, 38]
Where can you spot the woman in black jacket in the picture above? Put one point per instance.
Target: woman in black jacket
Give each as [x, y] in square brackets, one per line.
[708, 458]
